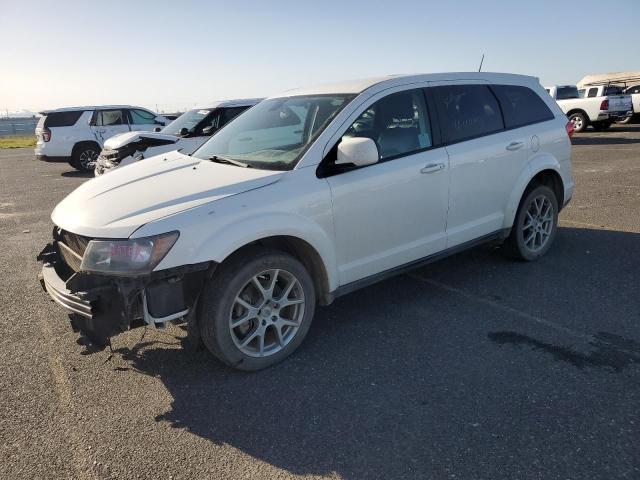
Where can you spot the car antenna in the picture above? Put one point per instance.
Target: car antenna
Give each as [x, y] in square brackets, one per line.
[481, 61]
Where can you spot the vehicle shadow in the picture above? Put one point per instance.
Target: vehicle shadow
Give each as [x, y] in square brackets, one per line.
[392, 379]
[603, 140]
[77, 174]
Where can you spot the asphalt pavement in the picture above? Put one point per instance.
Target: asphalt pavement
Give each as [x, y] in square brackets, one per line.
[476, 367]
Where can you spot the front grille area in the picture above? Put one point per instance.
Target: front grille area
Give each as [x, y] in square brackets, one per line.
[71, 247]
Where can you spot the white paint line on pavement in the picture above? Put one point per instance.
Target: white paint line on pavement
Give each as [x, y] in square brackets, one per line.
[510, 310]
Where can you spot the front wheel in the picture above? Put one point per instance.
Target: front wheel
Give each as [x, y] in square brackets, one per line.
[257, 309]
[535, 225]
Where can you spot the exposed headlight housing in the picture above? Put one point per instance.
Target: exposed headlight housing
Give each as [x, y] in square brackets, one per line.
[132, 257]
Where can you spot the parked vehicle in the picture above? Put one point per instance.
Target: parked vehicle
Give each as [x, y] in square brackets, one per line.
[634, 91]
[598, 106]
[186, 133]
[306, 197]
[76, 134]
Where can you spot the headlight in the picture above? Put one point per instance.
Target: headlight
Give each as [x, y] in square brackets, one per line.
[127, 257]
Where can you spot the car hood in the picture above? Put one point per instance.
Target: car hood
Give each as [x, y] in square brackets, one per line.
[117, 204]
[122, 139]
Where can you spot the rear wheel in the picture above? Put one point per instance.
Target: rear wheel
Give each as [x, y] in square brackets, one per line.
[535, 225]
[84, 156]
[579, 121]
[257, 309]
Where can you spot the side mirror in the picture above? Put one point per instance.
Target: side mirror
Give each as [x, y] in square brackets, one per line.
[208, 130]
[184, 131]
[157, 129]
[359, 151]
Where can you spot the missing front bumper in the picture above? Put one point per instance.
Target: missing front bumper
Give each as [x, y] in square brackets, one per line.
[102, 306]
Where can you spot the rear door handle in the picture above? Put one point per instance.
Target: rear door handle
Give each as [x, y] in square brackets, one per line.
[515, 146]
[432, 167]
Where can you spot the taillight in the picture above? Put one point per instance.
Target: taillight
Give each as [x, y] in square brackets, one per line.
[604, 105]
[570, 129]
[46, 134]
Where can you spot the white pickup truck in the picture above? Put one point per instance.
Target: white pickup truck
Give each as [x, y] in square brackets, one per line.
[598, 105]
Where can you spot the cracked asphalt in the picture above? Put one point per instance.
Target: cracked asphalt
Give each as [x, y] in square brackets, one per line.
[475, 367]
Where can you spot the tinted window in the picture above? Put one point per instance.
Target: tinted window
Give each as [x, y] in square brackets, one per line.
[593, 92]
[565, 93]
[142, 117]
[467, 111]
[521, 105]
[635, 89]
[398, 123]
[62, 119]
[613, 91]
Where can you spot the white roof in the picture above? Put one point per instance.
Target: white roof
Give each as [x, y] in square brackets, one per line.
[240, 102]
[630, 78]
[359, 86]
[90, 107]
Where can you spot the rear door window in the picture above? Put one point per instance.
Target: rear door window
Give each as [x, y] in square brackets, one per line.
[467, 111]
[593, 92]
[105, 118]
[62, 119]
[521, 106]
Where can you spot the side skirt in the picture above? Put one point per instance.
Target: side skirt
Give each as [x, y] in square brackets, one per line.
[392, 272]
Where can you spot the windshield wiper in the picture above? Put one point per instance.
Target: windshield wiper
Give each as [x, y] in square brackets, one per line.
[229, 161]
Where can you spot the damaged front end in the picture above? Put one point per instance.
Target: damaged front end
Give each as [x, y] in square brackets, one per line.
[114, 153]
[104, 305]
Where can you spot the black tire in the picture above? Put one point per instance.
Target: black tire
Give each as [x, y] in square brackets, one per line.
[84, 156]
[219, 298]
[516, 245]
[580, 121]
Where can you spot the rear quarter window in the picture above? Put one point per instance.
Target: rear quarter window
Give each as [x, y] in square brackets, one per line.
[62, 119]
[467, 111]
[521, 106]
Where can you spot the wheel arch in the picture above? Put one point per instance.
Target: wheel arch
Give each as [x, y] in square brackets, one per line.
[542, 170]
[304, 252]
[578, 110]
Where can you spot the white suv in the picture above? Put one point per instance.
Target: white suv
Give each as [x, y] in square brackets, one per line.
[77, 134]
[305, 197]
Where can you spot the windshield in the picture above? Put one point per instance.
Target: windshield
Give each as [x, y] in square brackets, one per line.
[274, 134]
[188, 120]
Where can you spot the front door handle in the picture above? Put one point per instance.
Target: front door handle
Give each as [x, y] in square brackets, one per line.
[432, 167]
[515, 146]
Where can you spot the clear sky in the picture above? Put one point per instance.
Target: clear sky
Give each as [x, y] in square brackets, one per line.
[175, 54]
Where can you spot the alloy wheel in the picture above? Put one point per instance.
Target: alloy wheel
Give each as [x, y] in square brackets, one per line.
[87, 159]
[577, 122]
[267, 313]
[538, 222]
